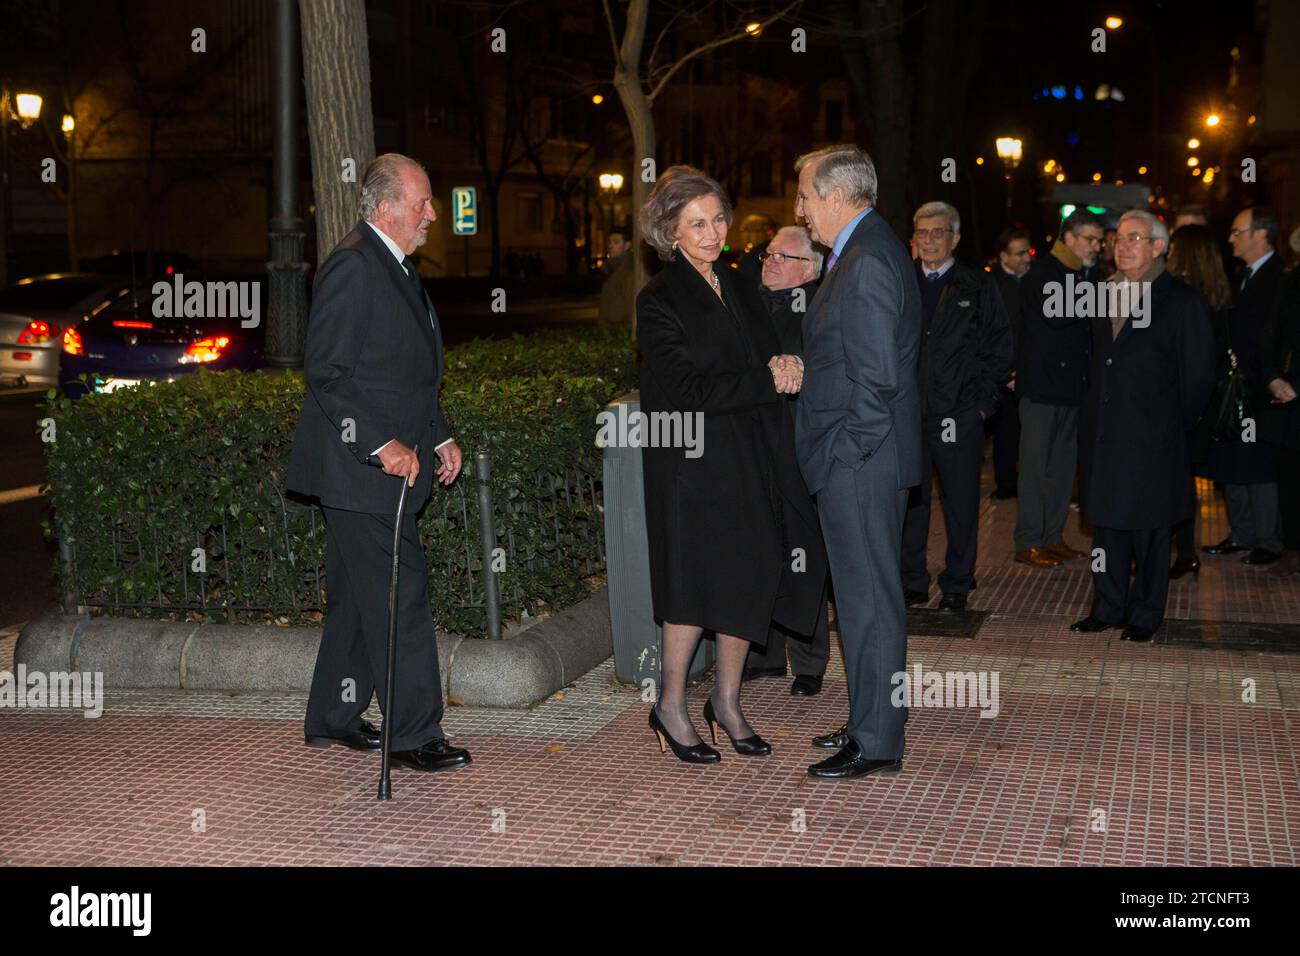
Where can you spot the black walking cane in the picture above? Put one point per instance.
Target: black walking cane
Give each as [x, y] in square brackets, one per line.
[385, 783]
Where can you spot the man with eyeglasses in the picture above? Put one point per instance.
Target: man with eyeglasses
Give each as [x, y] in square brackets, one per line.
[1247, 469]
[1152, 376]
[790, 267]
[965, 358]
[1052, 379]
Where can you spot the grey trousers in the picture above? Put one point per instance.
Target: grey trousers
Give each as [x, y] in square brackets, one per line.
[862, 522]
[1049, 456]
[1253, 515]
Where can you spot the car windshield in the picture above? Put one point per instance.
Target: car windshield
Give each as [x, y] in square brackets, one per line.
[46, 294]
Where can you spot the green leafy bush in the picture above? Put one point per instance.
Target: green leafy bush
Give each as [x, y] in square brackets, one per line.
[148, 482]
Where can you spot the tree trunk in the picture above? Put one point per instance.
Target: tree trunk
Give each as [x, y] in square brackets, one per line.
[336, 73]
[640, 119]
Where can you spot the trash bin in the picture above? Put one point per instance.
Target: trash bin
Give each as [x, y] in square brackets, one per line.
[637, 638]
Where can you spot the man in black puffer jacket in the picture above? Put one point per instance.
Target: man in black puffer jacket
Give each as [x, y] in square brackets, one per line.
[1052, 379]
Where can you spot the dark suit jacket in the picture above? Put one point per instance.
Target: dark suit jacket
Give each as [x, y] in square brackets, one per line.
[374, 366]
[1150, 387]
[1251, 319]
[1280, 358]
[862, 335]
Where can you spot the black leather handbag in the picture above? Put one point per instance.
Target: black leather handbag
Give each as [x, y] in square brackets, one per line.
[1228, 407]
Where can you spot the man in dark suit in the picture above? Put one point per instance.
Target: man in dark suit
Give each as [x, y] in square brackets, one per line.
[965, 358]
[858, 441]
[374, 365]
[1252, 504]
[1152, 376]
[790, 267]
[1051, 380]
[1008, 273]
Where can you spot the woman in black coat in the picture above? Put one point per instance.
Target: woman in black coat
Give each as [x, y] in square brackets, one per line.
[734, 541]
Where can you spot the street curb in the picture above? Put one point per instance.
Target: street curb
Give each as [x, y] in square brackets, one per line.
[138, 652]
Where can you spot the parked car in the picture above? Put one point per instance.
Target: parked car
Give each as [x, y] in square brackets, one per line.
[34, 314]
[128, 343]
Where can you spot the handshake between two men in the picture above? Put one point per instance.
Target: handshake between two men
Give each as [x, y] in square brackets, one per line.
[787, 372]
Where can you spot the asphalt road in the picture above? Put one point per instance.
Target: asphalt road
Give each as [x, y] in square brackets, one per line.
[27, 584]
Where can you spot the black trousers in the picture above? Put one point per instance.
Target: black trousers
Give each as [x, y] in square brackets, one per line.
[957, 463]
[1140, 603]
[808, 656]
[1287, 461]
[1005, 426]
[352, 663]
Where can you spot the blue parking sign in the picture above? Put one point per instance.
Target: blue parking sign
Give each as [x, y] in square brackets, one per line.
[464, 211]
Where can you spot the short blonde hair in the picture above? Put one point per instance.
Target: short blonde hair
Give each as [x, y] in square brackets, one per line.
[677, 187]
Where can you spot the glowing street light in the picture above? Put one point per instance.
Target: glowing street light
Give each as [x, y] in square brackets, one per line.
[1060, 177]
[69, 124]
[611, 182]
[1009, 150]
[1142, 170]
[1193, 161]
[1193, 143]
[29, 107]
[753, 29]
[1212, 120]
[597, 99]
[1114, 23]
[1096, 177]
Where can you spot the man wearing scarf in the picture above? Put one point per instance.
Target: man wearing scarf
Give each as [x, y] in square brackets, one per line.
[1151, 379]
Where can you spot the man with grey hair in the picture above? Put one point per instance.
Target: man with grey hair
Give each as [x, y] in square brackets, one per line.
[374, 364]
[790, 267]
[858, 441]
[965, 359]
[1152, 376]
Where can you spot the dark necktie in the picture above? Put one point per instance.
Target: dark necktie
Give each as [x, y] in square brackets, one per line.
[932, 276]
[1246, 277]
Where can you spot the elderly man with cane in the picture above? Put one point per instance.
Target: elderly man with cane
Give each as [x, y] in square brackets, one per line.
[374, 364]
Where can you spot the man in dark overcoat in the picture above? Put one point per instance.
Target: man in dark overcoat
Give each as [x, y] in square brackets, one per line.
[1152, 376]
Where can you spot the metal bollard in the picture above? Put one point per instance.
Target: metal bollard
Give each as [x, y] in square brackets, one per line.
[487, 536]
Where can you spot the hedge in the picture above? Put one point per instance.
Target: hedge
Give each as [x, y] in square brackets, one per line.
[139, 478]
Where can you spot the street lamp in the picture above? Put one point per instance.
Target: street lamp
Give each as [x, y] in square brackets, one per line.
[26, 109]
[1009, 151]
[610, 184]
[1213, 120]
[1114, 23]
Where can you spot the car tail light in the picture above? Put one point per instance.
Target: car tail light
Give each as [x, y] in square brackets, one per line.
[131, 324]
[72, 342]
[206, 350]
[23, 356]
[37, 332]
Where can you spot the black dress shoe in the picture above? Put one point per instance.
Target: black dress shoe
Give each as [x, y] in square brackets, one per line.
[835, 740]
[1260, 556]
[1139, 634]
[1226, 546]
[435, 755]
[953, 602]
[849, 762]
[805, 685]
[911, 598]
[1090, 625]
[751, 746]
[754, 673]
[365, 737]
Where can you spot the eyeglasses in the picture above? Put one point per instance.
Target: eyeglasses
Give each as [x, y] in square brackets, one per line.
[1091, 240]
[930, 233]
[1234, 233]
[780, 257]
[1134, 239]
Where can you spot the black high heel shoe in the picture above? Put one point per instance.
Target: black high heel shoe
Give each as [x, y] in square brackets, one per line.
[1184, 566]
[699, 753]
[754, 746]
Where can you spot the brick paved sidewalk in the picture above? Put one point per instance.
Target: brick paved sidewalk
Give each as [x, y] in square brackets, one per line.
[1102, 753]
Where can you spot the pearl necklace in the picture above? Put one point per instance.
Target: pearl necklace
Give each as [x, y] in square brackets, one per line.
[713, 280]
